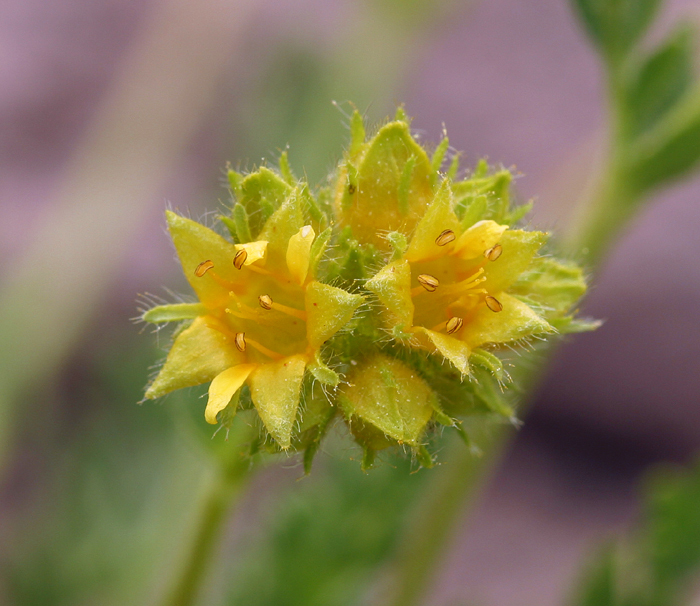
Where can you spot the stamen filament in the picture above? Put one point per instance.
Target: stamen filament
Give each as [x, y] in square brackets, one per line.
[264, 350]
[290, 311]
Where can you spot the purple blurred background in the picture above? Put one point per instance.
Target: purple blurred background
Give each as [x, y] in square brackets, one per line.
[513, 81]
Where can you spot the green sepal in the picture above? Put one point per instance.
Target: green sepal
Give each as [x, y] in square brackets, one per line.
[317, 249]
[230, 225]
[569, 325]
[514, 216]
[405, 185]
[423, 457]
[286, 170]
[439, 155]
[490, 393]
[454, 167]
[391, 397]
[357, 134]
[174, 312]
[322, 373]
[261, 194]
[555, 285]
[490, 362]
[471, 209]
[234, 181]
[228, 414]
[312, 208]
[241, 226]
[399, 244]
[401, 115]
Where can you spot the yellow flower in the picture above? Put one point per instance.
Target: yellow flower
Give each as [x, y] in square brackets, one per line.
[261, 318]
[447, 293]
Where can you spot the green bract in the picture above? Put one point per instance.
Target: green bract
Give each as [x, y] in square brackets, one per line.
[384, 300]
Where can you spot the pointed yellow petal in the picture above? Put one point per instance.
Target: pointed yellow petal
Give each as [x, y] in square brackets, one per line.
[392, 397]
[454, 350]
[519, 248]
[328, 309]
[299, 253]
[438, 217]
[286, 221]
[196, 244]
[275, 389]
[255, 251]
[223, 387]
[479, 238]
[392, 285]
[515, 321]
[197, 356]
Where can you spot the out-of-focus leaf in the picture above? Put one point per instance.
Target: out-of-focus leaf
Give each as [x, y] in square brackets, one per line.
[661, 81]
[600, 586]
[324, 538]
[670, 149]
[656, 566]
[615, 25]
[674, 529]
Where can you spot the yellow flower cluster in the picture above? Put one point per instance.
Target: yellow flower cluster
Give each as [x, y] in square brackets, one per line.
[378, 279]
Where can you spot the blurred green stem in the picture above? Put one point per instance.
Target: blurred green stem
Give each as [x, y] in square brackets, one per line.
[223, 491]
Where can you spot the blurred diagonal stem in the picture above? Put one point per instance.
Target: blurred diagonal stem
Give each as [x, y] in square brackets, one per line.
[226, 487]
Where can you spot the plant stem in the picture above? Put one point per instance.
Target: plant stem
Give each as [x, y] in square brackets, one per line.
[453, 485]
[225, 488]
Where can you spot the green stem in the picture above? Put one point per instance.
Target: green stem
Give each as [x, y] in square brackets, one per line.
[451, 487]
[214, 512]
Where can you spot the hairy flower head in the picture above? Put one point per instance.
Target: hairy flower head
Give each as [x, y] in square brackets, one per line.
[450, 282]
[261, 320]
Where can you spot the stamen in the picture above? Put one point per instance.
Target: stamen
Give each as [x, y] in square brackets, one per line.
[290, 311]
[264, 350]
[453, 325]
[203, 268]
[445, 237]
[430, 283]
[494, 252]
[265, 301]
[493, 303]
[240, 258]
[240, 341]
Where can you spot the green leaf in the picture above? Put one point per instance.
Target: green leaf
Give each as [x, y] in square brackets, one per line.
[599, 589]
[660, 81]
[669, 150]
[615, 26]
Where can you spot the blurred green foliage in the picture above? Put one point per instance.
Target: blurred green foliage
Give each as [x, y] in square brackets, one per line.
[660, 563]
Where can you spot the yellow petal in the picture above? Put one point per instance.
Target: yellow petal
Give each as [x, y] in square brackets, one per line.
[198, 354]
[286, 221]
[438, 217]
[454, 350]
[516, 321]
[392, 285]
[195, 244]
[479, 238]
[275, 389]
[328, 309]
[299, 252]
[255, 251]
[223, 387]
[519, 248]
